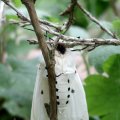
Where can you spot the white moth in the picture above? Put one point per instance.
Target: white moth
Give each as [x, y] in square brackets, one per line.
[71, 100]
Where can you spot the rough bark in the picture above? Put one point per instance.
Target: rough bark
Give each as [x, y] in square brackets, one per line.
[48, 57]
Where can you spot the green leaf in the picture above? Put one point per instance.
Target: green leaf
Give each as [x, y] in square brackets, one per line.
[13, 17]
[97, 7]
[17, 3]
[53, 7]
[16, 86]
[79, 18]
[103, 92]
[98, 56]
[115, 63]
[18, 48]
[17, 109]
[4, 77]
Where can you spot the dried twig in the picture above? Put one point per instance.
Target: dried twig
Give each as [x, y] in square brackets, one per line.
[66, 38]
[92, 18]
[114, 8]
[73, 41]
[95, 42]
[69, 11]
[25, 19]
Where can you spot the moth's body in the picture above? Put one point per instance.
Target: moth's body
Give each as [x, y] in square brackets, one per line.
[71, 100]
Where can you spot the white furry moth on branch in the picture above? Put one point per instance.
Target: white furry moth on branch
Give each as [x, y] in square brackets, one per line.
[71, 100]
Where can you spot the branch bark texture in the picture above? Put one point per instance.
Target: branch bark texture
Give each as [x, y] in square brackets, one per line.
[46, 54]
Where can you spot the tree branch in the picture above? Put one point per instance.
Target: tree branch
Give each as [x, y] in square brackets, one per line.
[25, 19]
[60, 28]
[69, 38]
[92, 18]
[84, 42]
[46, 54]
[69, 41]
[69, 11]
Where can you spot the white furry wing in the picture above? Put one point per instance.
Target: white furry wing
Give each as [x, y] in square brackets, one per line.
[71, 99]
[40, 95]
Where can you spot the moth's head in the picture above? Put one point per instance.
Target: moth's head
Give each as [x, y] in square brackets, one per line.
[61, 48]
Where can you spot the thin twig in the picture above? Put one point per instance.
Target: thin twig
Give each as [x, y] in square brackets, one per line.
[18, 13]
[72, 41]
[68, 38]
[86, 63]
[92, 18]
[69, 11]
[81, 48]
[95, 42]
[114, 8]
[25, 19]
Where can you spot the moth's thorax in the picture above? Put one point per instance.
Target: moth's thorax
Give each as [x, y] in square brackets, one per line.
[64, 62]
[61, 48]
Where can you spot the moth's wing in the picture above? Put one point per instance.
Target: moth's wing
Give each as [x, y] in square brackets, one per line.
[77, 108]
[40, 94]
[79, 98]
[79, 94]
[78, 105]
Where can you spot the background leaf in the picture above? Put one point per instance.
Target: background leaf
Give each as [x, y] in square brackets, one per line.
[103, 91]
[16, 86]
[17, 3]
[98, 56]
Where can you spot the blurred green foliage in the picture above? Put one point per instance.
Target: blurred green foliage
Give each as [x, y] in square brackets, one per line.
[17, 72]
[103, 91]
[16, 84]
